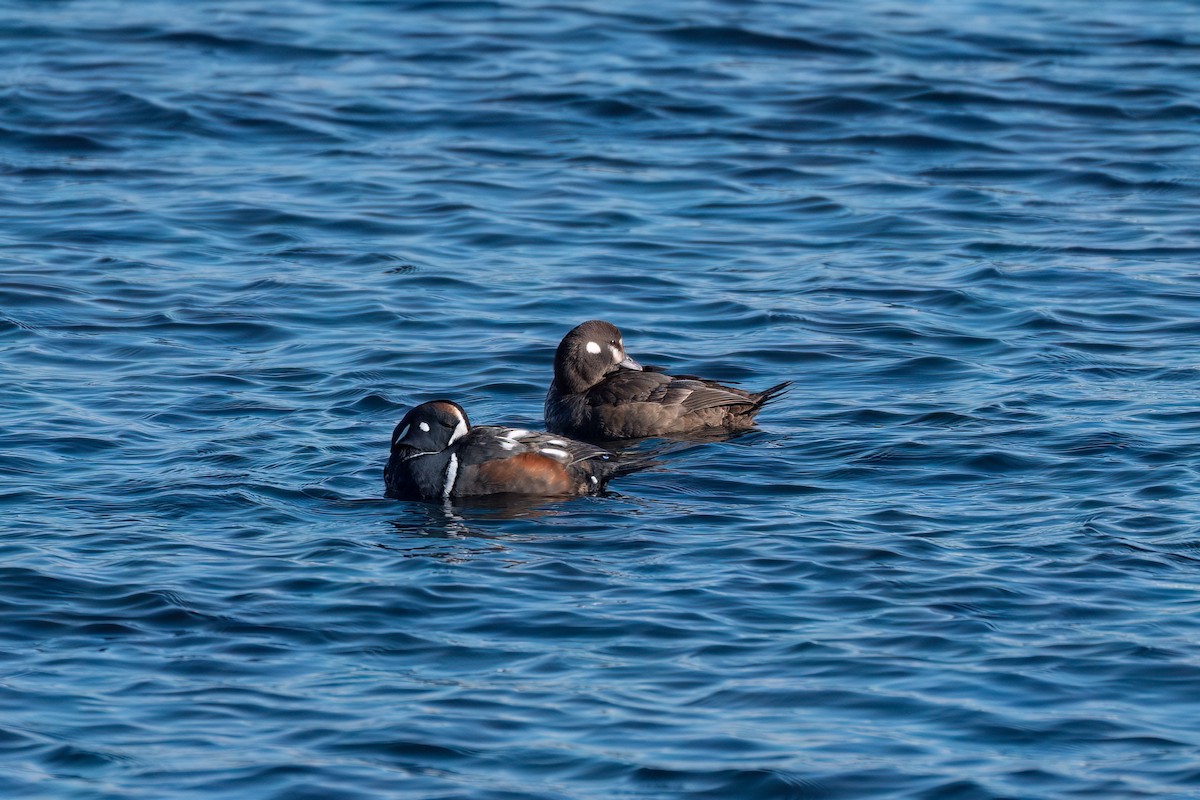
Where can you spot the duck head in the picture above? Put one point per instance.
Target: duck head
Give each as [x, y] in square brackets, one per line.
[587, 353]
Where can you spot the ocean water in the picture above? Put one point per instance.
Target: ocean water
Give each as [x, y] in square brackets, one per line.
[961, 559]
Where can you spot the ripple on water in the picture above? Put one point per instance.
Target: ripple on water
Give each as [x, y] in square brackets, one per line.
[956, 560]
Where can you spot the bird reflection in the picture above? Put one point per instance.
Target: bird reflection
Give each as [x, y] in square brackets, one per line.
[460, 520]
[654, 447]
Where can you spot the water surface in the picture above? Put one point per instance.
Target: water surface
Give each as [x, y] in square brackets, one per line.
[959, 560]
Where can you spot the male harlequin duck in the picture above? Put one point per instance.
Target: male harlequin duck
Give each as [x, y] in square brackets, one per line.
[599, 393]
[437, 455]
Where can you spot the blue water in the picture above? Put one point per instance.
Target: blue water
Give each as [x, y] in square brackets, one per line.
[960, 560]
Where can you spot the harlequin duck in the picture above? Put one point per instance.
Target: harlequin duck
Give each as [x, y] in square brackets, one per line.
[437, 455]
[600, 393]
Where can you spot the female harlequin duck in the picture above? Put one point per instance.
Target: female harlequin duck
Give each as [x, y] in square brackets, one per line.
[599, 393]
[437, 455]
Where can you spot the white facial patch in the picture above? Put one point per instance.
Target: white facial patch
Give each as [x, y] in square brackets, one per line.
[460, 430]
[424, 426]
[593, 348]
[401, 435]
[617, 357]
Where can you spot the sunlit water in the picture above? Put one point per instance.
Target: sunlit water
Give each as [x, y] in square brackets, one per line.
[959, 560]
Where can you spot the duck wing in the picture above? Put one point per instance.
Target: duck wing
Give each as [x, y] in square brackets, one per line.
[687, 392]
[496, 442]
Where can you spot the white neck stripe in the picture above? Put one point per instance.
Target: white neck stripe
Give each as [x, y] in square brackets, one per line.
[451, 474]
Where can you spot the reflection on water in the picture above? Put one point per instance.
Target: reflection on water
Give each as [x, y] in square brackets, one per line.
[450, 520]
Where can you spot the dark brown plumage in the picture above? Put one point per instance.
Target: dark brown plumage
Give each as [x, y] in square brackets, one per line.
[599, 393]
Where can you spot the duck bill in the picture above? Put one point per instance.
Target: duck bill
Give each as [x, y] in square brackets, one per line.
[629, 363]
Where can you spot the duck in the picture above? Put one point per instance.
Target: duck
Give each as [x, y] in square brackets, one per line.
[437, 455]
[599, 393]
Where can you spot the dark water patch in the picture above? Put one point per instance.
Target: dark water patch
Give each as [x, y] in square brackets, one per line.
[208, 42]
[744, 40]
[917, 143]
[51, 142]
[928, 368]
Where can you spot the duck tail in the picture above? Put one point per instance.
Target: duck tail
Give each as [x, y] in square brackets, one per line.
[767, 395]
[629, 464]
[624, 465]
